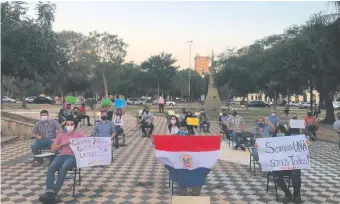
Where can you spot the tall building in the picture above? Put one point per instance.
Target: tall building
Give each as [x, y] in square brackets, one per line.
[202, 64]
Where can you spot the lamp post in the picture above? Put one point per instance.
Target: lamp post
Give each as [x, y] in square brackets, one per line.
[311, 94]
[189, 41]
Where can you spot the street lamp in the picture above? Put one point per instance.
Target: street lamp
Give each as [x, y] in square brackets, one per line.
[311, 94]
[189, 41]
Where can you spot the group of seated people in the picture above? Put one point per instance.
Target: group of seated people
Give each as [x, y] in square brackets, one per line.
[77, 113]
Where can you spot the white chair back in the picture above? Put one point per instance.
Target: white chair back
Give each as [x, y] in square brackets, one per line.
[221, 114]
[197, 114]
[140, 112]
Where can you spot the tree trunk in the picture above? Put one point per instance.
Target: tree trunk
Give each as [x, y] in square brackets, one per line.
[330, 117]
[105, 85]
[321, 102]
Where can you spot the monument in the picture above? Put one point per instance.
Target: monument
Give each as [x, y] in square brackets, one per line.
[212, 102]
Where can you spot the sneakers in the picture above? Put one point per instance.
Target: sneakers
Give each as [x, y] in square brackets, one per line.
[288, 198]
[48, 197]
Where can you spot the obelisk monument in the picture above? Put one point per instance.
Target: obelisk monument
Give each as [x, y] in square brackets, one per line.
[212, 100]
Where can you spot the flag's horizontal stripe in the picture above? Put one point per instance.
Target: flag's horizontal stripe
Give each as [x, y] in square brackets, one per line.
[188, 178]
[176, 143]
[199, 159]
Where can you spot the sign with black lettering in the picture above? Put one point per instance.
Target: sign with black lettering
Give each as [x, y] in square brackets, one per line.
[283, 153]
[92, 151]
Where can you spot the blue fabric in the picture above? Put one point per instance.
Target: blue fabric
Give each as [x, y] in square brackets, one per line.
[119, 103]
[40, 144]
[274, 120]
[255, 154]
[264, 133]
[188, 178]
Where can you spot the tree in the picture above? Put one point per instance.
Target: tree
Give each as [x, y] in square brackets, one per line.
[162, 67]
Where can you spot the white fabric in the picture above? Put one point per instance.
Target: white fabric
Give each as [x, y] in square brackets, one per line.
[199, 159]
[118, 121]
[174, 130]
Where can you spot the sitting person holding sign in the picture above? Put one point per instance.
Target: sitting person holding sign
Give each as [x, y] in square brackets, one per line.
[191, 122]
[64, 162]
[147, 122]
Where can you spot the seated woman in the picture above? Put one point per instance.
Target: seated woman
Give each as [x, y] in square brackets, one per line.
[204, 122]
[119, 122]
[294, 174]
[64, 162]
[173, 126]
[262, 129]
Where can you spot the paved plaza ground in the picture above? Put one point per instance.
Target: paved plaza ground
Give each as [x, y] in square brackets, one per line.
[136, 177]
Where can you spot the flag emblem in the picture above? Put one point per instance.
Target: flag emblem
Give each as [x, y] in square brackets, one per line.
[186, 160]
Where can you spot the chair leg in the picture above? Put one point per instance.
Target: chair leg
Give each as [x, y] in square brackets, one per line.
[254, 167]
[33, 161]
[268, 177]
[79, 177]
[74, 180]
[250, 162]
[277, 196]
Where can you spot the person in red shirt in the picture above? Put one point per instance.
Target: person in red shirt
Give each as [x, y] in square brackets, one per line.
[311, 125]
[82, 114]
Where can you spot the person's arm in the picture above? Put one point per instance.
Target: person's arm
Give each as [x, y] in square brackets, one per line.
[35, 132]
[243, 125]
[151, 118]
[337, 130]
[95, 130]
[57, 144]
[113, 130]
[270, 124]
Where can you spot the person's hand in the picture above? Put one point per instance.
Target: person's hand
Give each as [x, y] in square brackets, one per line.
[66, 143]
[38, 137]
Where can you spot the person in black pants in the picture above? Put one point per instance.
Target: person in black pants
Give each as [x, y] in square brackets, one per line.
[147, 122]
[295, 176]
[190, 128]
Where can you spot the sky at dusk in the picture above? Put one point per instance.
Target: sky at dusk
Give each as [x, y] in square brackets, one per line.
[152, 27]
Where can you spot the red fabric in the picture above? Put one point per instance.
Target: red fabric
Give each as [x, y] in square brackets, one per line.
[310, 120]
[82, 110]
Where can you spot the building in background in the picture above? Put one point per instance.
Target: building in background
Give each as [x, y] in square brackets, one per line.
[202, 64]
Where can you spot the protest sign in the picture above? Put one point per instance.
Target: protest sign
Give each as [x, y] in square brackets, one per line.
[92, 151]
[283, 153]
[299, 124]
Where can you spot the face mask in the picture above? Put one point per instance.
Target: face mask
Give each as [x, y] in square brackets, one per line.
[173, 122]
[224, 114]
[260, 124]
[104, 117]
[43, 118]
[280, 134]
[273, 114]
[69, 128]
[294, 117]
[234, 114]
[182, 132]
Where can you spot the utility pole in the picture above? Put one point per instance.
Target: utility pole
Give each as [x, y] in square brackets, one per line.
[189, 41]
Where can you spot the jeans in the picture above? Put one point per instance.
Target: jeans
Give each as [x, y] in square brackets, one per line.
[235, 138]
[83, 117]
[205, 122]
[295, 177]
[255, 154]
[39, 144]
[63, 163]
[119, 131]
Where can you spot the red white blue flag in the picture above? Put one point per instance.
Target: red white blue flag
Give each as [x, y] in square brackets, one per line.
[189, 159]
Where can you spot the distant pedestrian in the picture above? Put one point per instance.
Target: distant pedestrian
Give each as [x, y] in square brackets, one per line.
[160, 102]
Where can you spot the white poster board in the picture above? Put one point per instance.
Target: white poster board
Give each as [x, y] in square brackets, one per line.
[299, 124]
[283, 153]
[92, 151]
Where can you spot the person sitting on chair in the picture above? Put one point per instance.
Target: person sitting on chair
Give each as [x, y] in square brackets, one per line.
[311, 125]
[75, 116]
[190, 128]
[64, 162]
[147, 122]
[173, 126]
[293, 131]
[223, 121]
[236, 126]
[66, 112]
[182, 116]
[119, 122]
[105, 128]
[204, 120]
[82, 114]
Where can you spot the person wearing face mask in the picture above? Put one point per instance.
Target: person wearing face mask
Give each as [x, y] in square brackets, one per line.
[294, 174]
[147, 122]
[336, 125]
[263, 129]
[236, 126]
[173, 125]
[311, 125]
[119, 122]
[45, 130]
[274, 119]
[105, 128]
[293, 131]
[223, 121]
[66, 112]
[204, 120]
[182, 116]
[183, 130]
[63, 162]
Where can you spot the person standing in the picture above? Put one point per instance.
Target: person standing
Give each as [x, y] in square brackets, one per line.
[105, 128]
[160, 102]
[64, 162]
[45, 130]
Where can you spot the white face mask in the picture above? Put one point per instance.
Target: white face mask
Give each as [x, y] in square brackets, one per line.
[173, 122]
[69, 128]
[273, 114]
[43, 118]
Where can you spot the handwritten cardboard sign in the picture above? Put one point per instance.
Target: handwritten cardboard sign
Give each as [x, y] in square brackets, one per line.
[283, 153]
[300, 124]
[92, 151]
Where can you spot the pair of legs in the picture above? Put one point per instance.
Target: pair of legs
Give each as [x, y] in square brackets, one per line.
[296, 179]
[311, 131]
[161, 108]
[236, 140]
[81, 117]
[119, 131]
[61, 163]
[40, 144]
[205, 122]
[145, 126]
[183, 191]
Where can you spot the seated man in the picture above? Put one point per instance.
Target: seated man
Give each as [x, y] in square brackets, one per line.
[204, 122]
[64, 162]
[236, 126]
[45, 130]
[66, 112]
[182, 116]
[82, 114]
[223, 121]
[147, 122]
[105, 128]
